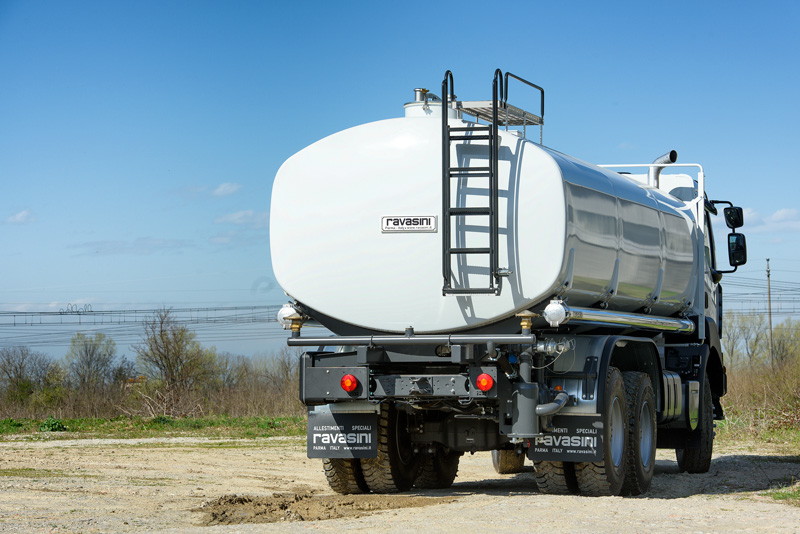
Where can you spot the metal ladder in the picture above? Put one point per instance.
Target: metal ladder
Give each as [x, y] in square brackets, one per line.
[489, 111]
[469, 133]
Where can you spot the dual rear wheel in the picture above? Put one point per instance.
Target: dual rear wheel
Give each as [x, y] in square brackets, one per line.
[629, 444]
[397, 467]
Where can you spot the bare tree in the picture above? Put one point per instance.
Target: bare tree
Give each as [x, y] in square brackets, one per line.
[753, 333]
[170, 354]
[786, 342]
[90, 361]
[732, 334]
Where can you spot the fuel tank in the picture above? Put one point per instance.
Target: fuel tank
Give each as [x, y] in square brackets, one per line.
[356, 220]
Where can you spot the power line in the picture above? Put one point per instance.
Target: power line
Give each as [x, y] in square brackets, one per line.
[210, 324]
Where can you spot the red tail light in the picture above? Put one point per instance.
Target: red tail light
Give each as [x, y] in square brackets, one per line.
[484, 382]
[349, 383]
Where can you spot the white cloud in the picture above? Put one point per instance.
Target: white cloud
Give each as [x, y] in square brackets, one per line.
[783, 220]
[255, 219]
[221, 239]
[226, 189]
[22, 217]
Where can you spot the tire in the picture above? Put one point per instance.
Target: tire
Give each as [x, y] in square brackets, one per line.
[607, 477]
[556, 478]
[699, 460]
[641, 457]
[507, 462]
[344, 475]
[438, 471]
[396, 465]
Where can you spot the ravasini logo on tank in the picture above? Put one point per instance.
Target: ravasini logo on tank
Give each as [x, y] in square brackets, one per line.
[408, 223]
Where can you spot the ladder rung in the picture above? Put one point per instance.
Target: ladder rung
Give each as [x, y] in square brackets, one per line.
[477, 291]
[470, 129]
[469, 250]
[470, 175]
[469, 169]
[470, 211]
[470, 137]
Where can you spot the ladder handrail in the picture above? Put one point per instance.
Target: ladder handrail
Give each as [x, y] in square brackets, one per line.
[494, 194]
[541, 90]
[448, 96]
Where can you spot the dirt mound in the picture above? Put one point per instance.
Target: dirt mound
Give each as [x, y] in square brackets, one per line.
[235, 509]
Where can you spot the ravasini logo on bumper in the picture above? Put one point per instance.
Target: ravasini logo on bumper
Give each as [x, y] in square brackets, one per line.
[408, 223]
[342, 435]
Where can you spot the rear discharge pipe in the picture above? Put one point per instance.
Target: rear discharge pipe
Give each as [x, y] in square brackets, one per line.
[552, 407]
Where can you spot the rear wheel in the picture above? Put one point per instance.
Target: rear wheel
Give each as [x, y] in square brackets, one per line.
[344, 475]
[507, 462]
[641, 457]
[699, 460]
[556, 478]
[396, 465]
[607, 477]
[438, 471]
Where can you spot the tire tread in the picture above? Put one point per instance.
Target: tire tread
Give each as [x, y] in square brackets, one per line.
[344, 475]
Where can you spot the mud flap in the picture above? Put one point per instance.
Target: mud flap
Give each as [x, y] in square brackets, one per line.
[342, 435]
[570, 439]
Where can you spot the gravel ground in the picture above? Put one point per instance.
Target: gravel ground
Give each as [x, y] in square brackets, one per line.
[193, 485]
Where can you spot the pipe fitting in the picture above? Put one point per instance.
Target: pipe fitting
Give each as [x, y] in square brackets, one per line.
[553, 407]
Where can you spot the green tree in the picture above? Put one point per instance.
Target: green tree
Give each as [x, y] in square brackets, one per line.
[22, 372]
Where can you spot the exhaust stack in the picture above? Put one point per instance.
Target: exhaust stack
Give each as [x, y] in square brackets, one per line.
[655, 170]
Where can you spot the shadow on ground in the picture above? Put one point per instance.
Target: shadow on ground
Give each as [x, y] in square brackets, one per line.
[729, 474]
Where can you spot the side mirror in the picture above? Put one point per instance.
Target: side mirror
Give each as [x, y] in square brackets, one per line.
[737, 248]
[734, 218]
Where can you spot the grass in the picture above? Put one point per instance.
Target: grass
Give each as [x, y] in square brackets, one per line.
[788, 494]
[28, 472]
[141, 427]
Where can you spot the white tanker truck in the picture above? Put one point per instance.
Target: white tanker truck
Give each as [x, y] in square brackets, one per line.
[487, 293]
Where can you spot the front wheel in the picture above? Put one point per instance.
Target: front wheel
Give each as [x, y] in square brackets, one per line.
[507, 462]
[698, 460]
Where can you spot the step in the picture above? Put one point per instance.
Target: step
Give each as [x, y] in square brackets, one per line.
[470, 169]
[467, 291]
[471, 211]
[470, 137]
[469, 250]
[470, 128]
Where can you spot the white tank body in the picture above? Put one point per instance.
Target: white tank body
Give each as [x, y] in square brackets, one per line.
[566, 228]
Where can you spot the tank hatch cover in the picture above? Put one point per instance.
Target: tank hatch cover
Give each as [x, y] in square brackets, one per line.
[507, 115]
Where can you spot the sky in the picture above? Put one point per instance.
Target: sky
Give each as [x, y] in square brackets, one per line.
[139, 140]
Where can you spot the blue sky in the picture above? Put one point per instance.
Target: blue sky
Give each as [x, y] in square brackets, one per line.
[139, 140]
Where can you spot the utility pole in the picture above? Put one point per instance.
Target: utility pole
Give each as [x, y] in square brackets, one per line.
[769, 314]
